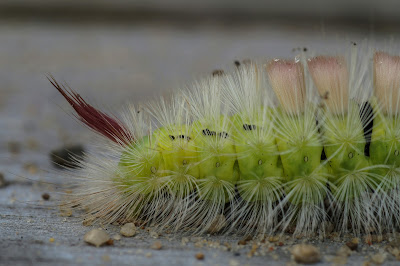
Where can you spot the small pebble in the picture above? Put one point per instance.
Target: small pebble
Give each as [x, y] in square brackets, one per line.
[156, 245]
[31, 168]
[153, 234]
[353, 244]
[184, 241]
[307, 254]
[117, 237]
[378, 258]
[273, 238]
[128, 230]
[65, 212]
[344, 251]
[395, 252]
[200, 256]
[96, 237]
[51, 239]
[45, 196]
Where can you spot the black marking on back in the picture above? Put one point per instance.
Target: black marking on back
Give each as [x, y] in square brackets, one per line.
[223, 134]
[207, 132]
[249, 127]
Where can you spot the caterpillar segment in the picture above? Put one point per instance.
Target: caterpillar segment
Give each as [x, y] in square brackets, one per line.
[261, 174]
[385, 137]
[300, 147]
[281, 146]
[344, 143]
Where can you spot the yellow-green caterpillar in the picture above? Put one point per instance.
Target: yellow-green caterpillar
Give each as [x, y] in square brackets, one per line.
[281, 145]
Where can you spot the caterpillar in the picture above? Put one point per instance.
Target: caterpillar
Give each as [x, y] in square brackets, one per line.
[274, 146]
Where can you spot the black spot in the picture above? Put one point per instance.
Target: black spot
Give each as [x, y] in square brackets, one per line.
[207, 132]
[223, 134]
[184, 137]
[323, 155]
[171, 137]
[249, 127]
[46, 196]
[366, 116]
[237, 63]
[305, 49]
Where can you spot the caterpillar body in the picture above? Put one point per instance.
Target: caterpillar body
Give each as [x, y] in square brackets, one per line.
[277, 146]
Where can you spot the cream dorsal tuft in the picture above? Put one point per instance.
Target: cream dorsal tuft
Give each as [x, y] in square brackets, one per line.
[331, 77]
[387, 81]
[287, 80]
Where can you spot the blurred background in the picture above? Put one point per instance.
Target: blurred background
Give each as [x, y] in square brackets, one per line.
[116, 51]
[113, 52]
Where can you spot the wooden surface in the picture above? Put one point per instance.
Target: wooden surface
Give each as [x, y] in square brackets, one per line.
[109, 64]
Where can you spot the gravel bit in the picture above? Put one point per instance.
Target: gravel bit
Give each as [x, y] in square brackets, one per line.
[344, 251]
[96, 237]
[31, 168]
[45, 196]
[379, 258]
[353, 244]
[65, 212]
[153, 234]
[157, 245]
[305, 253]
[117, 237]
[199, 256]
[128, 230]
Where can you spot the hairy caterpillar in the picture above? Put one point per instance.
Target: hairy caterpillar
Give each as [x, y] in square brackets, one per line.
[276, 146]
